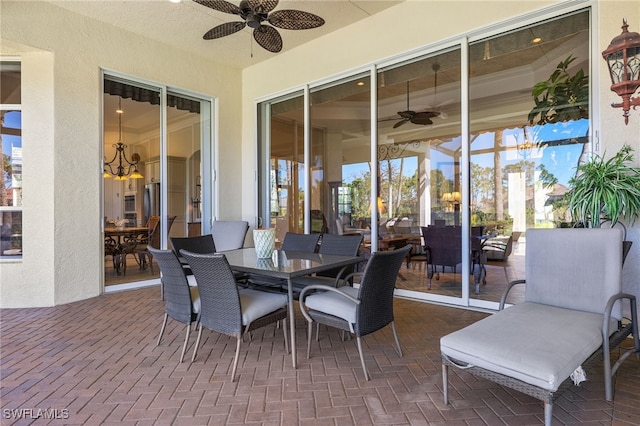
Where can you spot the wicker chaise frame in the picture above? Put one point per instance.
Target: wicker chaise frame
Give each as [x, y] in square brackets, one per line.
[610, 340]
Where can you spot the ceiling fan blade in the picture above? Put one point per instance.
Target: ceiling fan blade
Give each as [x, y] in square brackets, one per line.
[423, 120]
[406, 114]
[262, 6]
[268, 37]
[290, 19]
[428, 114]
[400, 123]
[223, 30]
[221, 6]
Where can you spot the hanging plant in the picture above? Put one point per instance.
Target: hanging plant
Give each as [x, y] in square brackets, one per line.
[562, 97]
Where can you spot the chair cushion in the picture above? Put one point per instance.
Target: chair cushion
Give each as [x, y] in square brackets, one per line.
[334, 304]
[195, 299]
[256, 304]
[537, 344]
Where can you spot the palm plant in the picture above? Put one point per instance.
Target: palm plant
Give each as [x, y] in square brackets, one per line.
[606, 190]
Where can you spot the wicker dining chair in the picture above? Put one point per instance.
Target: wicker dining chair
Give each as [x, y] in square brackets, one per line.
[307, 243]
[229, 234]
[362, 310]
[342, 245]
[228, 310]
[202, 244]
[182, 302]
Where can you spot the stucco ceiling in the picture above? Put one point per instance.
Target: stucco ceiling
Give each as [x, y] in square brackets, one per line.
[183, 24]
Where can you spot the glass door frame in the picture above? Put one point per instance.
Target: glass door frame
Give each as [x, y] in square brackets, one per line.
[208, 144]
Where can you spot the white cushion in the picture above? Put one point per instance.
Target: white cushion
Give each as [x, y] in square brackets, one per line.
[334, 304]
[538, 344]
[195, 299]
[256, 304]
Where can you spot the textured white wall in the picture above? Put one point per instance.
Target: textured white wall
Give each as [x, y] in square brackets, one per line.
[62, 140]
[614, 133]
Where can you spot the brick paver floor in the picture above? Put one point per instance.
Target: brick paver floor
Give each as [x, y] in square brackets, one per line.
[96, 362]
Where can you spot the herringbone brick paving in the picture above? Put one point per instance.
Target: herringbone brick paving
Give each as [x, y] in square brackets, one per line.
[96, 362]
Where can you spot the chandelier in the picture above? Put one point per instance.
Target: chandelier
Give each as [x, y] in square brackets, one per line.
[124, 168]
[524, 147]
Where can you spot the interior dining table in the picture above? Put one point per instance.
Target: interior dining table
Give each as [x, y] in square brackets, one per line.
[128, 231]
[286, 265]
[117, 233]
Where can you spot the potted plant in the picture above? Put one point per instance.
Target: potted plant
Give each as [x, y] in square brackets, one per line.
[606, 191]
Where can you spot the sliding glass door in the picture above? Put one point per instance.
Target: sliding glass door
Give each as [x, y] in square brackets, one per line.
[468, 154]
[157, 157]
[521, 158]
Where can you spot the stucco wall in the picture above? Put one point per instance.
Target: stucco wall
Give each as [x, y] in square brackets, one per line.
[62, 140]
[613, 132]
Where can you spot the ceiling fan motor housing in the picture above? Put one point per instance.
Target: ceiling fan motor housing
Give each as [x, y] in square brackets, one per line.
[253, 17]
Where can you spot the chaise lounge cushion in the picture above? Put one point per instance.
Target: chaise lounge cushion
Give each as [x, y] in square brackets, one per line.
[535, 343]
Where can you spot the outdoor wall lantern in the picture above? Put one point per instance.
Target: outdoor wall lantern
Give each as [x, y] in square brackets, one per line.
[623, 60]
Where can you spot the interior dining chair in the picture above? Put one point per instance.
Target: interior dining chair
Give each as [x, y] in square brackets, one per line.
[228, 310]
[182, 302]
[229, 234]
[112, 248]
[361, 310]
[496, 253]
[146, 258]
[138, 245]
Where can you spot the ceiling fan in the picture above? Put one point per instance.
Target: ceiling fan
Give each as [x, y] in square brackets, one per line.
[422, 118]
[410, 116]
[255, 14]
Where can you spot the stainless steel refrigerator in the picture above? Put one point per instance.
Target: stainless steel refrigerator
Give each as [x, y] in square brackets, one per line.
[151, 206]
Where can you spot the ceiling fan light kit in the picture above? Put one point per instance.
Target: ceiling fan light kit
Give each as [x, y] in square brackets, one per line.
[256, 14]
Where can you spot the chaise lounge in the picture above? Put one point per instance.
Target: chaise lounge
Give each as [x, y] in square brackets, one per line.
[571, 317]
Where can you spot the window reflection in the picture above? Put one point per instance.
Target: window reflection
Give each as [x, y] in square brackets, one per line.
[524, 141]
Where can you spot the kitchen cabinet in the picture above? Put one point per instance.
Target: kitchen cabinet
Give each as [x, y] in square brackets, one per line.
[152, 171]
[176, 169]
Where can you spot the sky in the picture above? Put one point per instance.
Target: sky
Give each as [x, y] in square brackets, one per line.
[11, 120]
[560, 160]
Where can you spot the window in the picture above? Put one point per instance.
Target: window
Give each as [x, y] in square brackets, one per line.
[11, 164]
[460, 142]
